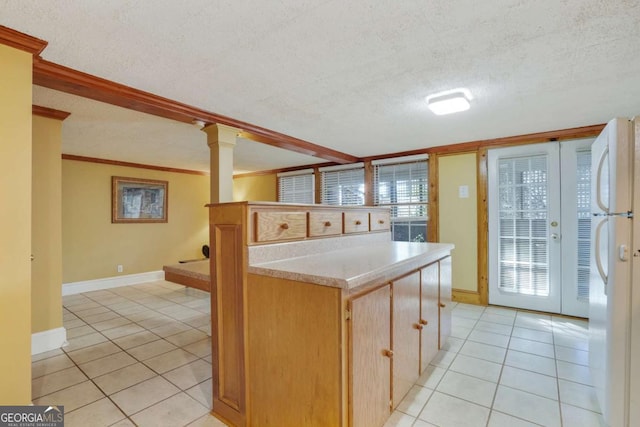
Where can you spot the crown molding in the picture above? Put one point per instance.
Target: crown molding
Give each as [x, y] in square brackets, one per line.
[64, 79]
[467, 147]
[131, 165]
[49, 112]
[21, 41]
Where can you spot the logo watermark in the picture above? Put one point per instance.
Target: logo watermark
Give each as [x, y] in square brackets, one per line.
[32, 416]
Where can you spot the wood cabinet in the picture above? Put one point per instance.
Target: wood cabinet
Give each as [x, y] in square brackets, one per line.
[380, 221]
[324, 223]
[406, 334]
[280, 226]
[356, 222]
[271, 223]
[429, 314]
[444, 302]
[371, 357]
[308, 337]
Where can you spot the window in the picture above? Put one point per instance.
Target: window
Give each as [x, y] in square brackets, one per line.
[405, 188]
[583, 203]
[343, 185]
[296, 187]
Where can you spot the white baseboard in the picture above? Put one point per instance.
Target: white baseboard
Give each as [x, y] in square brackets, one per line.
[48, 340]
[110, 282]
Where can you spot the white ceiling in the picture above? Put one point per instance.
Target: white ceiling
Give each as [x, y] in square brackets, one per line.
[348, 75]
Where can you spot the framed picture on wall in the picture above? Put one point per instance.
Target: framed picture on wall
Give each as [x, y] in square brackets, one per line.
[136, 200]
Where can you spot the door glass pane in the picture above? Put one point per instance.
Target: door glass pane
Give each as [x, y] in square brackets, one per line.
[583, 203]
[523, 225]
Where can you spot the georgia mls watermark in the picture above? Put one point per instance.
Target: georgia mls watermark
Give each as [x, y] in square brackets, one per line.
[32, 416]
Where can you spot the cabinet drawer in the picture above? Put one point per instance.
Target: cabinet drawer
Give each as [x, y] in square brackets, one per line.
[325, 223]
[280, 226]
[356, 222]
[380, 221]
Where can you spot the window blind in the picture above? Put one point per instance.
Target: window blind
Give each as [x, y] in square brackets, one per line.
[343, 186]
[583, 198]
[405, 188]
[296, 188]
[523, 228]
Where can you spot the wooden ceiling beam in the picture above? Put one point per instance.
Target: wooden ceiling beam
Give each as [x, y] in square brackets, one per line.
[64, 79]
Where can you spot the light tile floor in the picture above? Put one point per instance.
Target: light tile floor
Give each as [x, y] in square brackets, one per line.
[137, 355]
[505, 368]
[141, 355]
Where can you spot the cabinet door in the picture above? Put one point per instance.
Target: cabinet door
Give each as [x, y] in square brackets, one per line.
[429, 311]
[406, 334]
[356, 222]
[325, 223]
[445, 300]
[272, 226]
[371, 358]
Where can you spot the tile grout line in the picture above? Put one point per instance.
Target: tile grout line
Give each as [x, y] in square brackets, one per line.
[180, 390]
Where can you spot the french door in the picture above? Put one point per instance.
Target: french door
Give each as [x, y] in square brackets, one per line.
[539, 226]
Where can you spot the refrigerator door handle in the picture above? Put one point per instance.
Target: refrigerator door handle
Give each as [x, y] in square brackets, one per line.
[597, 252]
[603, 157]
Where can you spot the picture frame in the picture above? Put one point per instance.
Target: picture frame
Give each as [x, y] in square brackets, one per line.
[137, 200]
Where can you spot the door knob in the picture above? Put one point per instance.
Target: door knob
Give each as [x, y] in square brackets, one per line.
[555, 236]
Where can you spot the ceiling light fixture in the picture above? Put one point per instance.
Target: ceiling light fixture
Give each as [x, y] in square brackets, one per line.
[450, 101]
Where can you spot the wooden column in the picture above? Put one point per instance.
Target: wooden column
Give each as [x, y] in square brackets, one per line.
[221, 140]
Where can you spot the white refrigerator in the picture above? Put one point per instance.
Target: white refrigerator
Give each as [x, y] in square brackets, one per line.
[614, 300]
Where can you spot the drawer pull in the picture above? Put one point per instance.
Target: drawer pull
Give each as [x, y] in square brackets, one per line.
[381, 221]
[442, 305]
[418, 326]
[327, 223]
[423, 322]
[358, 222]
[284, 226]
[387, 353]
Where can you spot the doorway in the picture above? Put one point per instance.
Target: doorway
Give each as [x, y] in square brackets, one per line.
[539, 226]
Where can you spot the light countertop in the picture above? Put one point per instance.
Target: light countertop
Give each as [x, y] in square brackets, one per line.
[195, 269]
[353, 267]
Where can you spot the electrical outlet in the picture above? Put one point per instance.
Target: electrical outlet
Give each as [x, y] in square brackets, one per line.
[120, 269]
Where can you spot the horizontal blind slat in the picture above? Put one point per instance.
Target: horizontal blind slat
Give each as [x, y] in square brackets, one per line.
[296, 189]
[343, 187]
[405, 188]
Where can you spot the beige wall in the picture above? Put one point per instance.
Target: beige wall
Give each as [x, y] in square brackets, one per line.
[458, 216]
[15, 226]
[260, 188]
[92, 246]
[46, 221]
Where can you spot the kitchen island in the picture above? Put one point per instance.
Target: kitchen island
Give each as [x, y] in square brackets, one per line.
[318, 318]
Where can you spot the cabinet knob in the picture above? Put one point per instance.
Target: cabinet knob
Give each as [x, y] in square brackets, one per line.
[284, 226]
[327, 223]
[423, 322]
[381, 221]
[387, 353]
[358, 222]
[442, 305]
[418, 326]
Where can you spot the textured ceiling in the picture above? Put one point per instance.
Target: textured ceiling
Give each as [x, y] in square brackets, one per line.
[352, 75]
[96, 129]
